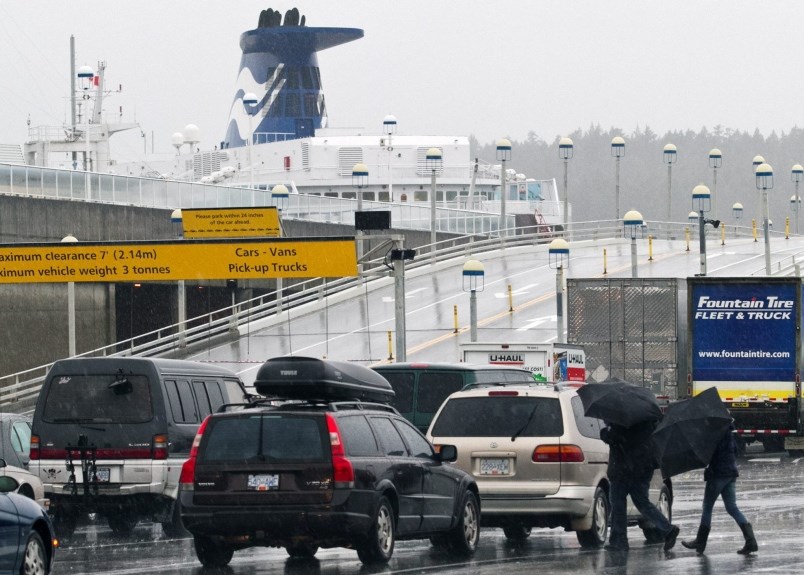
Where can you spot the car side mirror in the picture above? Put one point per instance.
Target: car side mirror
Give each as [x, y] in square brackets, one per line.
[448, 453]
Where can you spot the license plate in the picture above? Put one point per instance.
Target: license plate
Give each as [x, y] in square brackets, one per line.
[263, 482]
[740, 404]
[102, 475]
[494, 467]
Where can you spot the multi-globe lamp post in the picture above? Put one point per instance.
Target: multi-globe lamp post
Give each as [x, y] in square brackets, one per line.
[558, 254]
[617, 151]
[796, 175]
[565, 152]
[764, 181]
[434, 161]
[702, 202]
[503, 155]
[633, 227]
[473, 282]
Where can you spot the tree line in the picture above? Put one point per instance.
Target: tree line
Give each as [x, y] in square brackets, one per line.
[644, 172]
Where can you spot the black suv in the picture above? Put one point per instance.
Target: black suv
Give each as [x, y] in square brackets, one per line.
[321, 461]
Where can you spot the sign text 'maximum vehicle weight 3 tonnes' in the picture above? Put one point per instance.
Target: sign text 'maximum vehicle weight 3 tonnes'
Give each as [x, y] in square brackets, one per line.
[745, 340]
[178, 260]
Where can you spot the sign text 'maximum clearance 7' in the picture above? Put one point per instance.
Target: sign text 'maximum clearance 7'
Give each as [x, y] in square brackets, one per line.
[175, 260]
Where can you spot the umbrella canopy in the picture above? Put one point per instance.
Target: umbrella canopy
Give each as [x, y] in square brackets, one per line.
[620, 403]
[688, 434]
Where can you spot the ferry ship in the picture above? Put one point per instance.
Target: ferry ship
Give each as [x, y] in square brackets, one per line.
[279, 133]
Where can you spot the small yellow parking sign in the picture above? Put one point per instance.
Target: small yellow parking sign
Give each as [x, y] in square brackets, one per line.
[230, 222]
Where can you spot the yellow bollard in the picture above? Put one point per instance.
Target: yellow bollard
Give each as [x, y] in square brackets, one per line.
[604, 262]
[787, 228]
[754, 228]
[687, 236]
[510, 298]
[455, 318]
[723, 235]
[650, 248]
[390, 347]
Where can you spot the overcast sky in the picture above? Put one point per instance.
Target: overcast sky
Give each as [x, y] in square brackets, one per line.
[490, 69]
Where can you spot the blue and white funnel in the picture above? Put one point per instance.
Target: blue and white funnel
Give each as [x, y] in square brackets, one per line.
[280, 65]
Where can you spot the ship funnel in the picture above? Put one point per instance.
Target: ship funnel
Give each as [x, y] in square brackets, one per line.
[280, 66]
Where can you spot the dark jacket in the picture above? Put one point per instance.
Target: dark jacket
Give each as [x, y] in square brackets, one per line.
[631, 449]
[724, 459]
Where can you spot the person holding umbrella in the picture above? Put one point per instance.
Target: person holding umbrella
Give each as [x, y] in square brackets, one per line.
[630, 413]
[631, 464]
[721, 479]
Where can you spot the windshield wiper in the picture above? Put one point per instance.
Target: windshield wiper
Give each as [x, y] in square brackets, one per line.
[527, 423]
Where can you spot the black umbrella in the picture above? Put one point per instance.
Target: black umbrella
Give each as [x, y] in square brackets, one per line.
[688, 434]
[620, 403]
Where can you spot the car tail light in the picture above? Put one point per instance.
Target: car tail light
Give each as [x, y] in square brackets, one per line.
[34, 450]
[342, 472]
[558, 454]
[188, 468]
[160, 447]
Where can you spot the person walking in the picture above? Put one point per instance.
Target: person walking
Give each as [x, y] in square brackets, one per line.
[721, 481]
[631, 464]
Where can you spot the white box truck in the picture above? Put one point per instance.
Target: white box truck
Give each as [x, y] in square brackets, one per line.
[547, 361]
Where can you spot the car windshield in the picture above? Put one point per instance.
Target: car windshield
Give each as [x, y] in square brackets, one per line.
[270, 438]
[503, 416]
[106, 398]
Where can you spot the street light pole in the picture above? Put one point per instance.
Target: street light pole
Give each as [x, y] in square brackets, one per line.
[670, 157]
[503, 154]
[715, 162]
[249, 101]
[737, 212]
[565, 152]
[70, 239]
[756, 162]
[433, 161]
[764, 179]
[701, 199]
[633, 228]
[796, 175]
[558, 254]
[618, 151]
[473, 281]
[181, 295]
[389, 128]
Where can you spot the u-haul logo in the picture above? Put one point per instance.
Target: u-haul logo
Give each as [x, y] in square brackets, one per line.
[506, 358]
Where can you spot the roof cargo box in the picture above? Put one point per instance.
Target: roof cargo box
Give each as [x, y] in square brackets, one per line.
[296, 377]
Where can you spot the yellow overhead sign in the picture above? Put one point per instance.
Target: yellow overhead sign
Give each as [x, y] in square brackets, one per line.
[178, 260]
[230, 222]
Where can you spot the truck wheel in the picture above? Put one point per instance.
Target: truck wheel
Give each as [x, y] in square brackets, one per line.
[596, 536]
[773, 443]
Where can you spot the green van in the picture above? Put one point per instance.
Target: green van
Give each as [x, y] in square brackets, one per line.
[421, 388]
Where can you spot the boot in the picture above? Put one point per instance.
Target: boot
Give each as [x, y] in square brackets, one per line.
[750, 541]
[699, 543]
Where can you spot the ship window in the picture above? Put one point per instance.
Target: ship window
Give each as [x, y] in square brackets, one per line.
[384, 197]
[316, 78]
[420, 196]
[368, 196]
[277, 106]
[348, 195]
[330, 194]
[307, 78]
[292, 107]
[311, 104]
[292, 78]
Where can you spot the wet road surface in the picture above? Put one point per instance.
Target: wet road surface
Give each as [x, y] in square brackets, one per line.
[768, 493]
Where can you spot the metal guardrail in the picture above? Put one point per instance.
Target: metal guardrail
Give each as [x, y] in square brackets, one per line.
[22, 387]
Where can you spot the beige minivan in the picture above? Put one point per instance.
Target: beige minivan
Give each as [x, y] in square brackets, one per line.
[537, 459]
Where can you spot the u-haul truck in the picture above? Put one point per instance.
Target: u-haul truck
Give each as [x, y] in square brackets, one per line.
[547, 361]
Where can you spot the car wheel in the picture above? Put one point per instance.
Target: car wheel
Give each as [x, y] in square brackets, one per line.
[302, 550]
[122, 524]
[596, 535]
[665, 505]
[379, 544]
[34, 562]
[211, 553]
[464, 536]
[516, 533]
